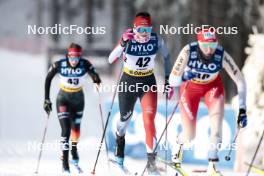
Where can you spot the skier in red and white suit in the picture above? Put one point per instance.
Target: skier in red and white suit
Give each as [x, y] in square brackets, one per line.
[198, 65]
[139, 47]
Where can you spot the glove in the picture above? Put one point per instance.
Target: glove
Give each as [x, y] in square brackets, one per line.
[242, 118]
[96, 79]
[126, 37]
[47, 106]
[190, 74]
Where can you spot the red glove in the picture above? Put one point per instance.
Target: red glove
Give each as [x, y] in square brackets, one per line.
[126, 36]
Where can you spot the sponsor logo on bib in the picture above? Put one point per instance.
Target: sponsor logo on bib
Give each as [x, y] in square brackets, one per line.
[142, 48]
[71, 71]
[199, 65]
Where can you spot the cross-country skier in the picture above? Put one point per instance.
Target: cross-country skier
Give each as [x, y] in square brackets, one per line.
[139, 47]
[198, 65]
[72, 70]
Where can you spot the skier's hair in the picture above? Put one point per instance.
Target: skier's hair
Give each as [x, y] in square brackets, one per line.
[143, 14]
[75, 45]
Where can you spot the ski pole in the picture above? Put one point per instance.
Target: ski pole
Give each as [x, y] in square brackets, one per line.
[228, 156]
[102, 121]
[107, 121]
[42, 142]
[255, 169]
[255, 154]
[166, 134]
[109, 113]
[173, 111]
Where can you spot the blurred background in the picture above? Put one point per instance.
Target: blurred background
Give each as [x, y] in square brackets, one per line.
[25, 58]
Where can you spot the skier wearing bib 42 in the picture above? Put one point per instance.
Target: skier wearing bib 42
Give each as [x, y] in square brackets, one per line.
[198, 65]
[139, 47]
[70, 100]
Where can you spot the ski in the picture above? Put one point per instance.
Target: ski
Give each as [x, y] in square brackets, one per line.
[256, 169]
[182, 172]
[66, 173]
[77, 167]
[204, 171]
[122, 168]
[179, 170]
[199, 170]
[153, 174]
[160, 169]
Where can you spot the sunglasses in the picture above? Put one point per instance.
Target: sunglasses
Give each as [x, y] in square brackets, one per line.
[212, 45]
[142, 29]
[74, 58]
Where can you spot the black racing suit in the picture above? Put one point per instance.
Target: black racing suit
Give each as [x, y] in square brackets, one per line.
[70, 101]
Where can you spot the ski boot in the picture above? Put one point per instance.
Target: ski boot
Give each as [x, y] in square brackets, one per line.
[151, 164]
[65, 162]
[211, 170]
[177, 155]
[74, 153]
[120, 148]
[75, 157]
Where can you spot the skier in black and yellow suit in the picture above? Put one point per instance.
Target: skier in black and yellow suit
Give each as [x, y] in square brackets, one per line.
[70, 100]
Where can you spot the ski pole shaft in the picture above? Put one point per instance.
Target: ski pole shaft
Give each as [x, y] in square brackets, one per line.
[227, 158]
[102, 121]
[174, 110]
[42, 142]
[109, 114]
[107, 121]
[166, 134]
[255, 154]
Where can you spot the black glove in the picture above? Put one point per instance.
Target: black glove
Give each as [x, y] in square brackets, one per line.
[47, 106]
[96, 79]
[242, 118]
[166, 85]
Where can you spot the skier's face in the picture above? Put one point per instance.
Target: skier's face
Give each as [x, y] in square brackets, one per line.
[208, 48]
[73, 60]
[143, 32]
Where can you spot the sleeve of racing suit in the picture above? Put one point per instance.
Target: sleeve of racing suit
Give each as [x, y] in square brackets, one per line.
[163, 50]
[115, 54]
[51, 73]
[233, 71]
[175, 78]
[91, 71]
